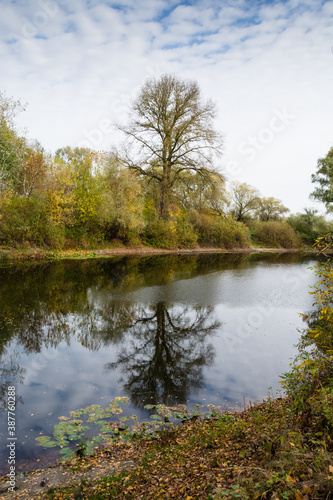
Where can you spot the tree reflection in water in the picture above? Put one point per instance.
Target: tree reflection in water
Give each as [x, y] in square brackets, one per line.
[167, 348]
[91, 302]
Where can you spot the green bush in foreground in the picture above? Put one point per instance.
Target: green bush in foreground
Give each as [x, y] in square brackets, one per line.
[309, 384]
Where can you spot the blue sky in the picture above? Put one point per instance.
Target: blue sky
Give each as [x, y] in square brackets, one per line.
[268, 65]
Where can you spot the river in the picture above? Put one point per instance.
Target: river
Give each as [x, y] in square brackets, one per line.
[208, 328]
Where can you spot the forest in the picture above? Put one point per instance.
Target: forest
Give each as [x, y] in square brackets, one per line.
[162, 188]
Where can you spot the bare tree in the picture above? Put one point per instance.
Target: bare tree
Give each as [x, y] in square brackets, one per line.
[170, 131]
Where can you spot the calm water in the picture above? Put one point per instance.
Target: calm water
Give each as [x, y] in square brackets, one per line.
[172, 329]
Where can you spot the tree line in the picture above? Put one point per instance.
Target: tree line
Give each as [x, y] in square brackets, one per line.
[162, 188]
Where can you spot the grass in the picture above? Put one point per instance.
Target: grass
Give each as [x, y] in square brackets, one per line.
[262, 453]
[71, 254]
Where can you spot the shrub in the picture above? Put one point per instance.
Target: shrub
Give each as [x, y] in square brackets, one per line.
[161, 234]
[231, 234]
[308, 226]
[309, 383]
[186, 234]
[25, 221]
[84, 236]
[220, 232]
[275, 234]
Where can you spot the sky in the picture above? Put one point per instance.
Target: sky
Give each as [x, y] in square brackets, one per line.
[268, 65]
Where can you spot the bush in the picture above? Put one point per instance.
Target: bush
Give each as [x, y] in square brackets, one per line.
[275, 234]
[220, 232]
[161, 234]
[309, 383]
[186, 234]
[177, 232]
[309, 226]
[25, 221]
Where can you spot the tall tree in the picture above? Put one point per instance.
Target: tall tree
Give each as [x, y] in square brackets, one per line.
[86, 187]
[121, 209]
[324, 178]
[170, 131]
[195, 193]
[270, 209]
[244, 200]
[13, 148]
[32, 175]
[309, 225]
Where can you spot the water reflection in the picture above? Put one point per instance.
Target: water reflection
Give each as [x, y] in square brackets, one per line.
[49, 304]
[165, 353]
[155, 328]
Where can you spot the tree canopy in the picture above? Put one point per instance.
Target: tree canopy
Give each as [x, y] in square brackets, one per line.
[165, 190]
[270, 209]
[324, 180]
[12, 147]
[244, 200]
[170, 131]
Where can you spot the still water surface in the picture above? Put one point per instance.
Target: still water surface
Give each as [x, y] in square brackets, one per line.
[204, 329]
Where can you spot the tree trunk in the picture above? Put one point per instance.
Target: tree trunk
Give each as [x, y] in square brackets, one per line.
[165, 193]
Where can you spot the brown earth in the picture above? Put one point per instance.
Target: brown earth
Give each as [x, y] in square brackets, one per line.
[35, 484]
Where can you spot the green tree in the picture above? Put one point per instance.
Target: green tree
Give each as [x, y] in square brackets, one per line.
[60, 197]
[309, 226]
[244, 201]
[33, 172]
[84, 164]
[170, 131]
[197, 193]
[73, 156]
[324, 180]
[120, 212]
[13, 148]
[270, 209]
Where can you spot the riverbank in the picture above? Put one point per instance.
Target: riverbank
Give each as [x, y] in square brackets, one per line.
[262, 452]
[35, 254]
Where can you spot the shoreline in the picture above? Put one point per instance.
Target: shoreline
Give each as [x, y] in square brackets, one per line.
[114, 459]
[142, 468]
[37, 254]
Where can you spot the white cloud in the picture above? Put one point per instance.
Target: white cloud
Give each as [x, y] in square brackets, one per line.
[79, 62]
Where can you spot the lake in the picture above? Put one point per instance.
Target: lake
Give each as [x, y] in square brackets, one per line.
[206, 328]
